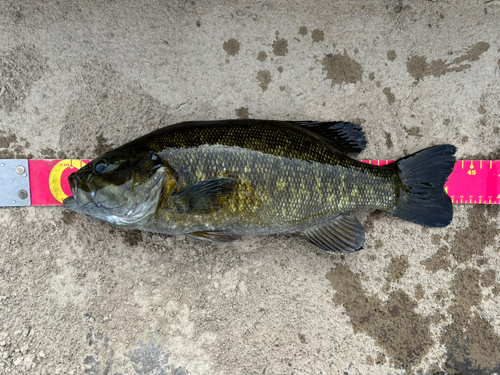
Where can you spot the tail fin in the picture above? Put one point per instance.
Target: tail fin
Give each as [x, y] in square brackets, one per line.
[422, 198]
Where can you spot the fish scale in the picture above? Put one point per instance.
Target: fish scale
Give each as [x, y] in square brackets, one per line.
[309, 195]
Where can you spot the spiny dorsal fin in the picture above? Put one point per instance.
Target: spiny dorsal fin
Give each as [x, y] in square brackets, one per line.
[344, 234]
[347, 137]
[202, 197]
[214, 236]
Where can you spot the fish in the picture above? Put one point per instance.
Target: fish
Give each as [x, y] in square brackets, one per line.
[219, 180]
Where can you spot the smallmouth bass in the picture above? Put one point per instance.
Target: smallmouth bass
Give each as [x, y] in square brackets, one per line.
[217, 180]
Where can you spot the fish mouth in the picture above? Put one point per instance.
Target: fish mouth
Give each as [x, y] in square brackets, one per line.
[81, 191]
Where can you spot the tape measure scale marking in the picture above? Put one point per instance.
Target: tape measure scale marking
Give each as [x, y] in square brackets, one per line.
[58, 178]
[471, 182]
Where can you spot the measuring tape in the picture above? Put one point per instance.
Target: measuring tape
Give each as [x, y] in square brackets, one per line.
[45, 182]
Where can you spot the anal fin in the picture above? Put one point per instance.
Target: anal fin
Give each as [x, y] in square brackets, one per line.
[214, 236]
[343, 234]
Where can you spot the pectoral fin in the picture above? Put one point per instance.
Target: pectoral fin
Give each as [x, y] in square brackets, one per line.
[214, 236]
[202, 197]
[343, 234]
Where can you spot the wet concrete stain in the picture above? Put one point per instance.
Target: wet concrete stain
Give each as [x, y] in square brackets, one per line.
[391, 98]
[264, 77]
[439, 261]
[342, 69]
[131, 237]
[242, 112]
[419, 68]
[481, 232]
[397, 268]
[12, 148]
[151, 359]
[303, 30]
[280, 46]
[102, 146]
[100, 361]
[391, 55]
[317, 35]
[473, 346]
[262, 56]
[395, 326]
[19, 69]
[232, 47]
[388, 140]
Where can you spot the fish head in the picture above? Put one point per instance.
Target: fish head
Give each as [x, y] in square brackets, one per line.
[120, 188]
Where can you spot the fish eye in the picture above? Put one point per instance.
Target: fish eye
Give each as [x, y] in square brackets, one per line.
[100, 167]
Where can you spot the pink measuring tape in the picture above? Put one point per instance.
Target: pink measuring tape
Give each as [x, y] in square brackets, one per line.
[45, 182]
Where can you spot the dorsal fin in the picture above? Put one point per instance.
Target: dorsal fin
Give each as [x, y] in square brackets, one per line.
[346, 136]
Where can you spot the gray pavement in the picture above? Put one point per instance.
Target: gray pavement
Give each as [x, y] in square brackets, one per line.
[78, 296]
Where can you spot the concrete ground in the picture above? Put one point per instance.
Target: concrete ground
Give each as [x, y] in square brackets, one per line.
[78, 296]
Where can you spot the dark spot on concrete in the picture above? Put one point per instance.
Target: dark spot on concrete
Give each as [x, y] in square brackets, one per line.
[302, 338]
[380, 360]
[369, 360]
[232, 47]
[198, 23]
[395, 326]
[465, 139]
[358, 120]
[372, 217]
[7, 154]
[264, 77]
[390, 96]
[436, 239]
[488, 278]
[303, 30]
[446, 121]
[414, 131]
[419, 292]
[419, 68]
[102, 357]
[6, 140]
[282, 88]
[280, 47]
[473, 346]
[439, 261]
[227, 61]
[102, 145]
[150, 359]
[397, 268]
[378, 83]
[481, 110]
[378, 244]
[496, 290]
[317, 35]
[132, 237]
[19, 69]
[262, 56]
[391, 55]
[481, 232]
[242, 112]
[48, 153]
[68, 217]
[280, 69]
[371, 76]
[342, 69]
